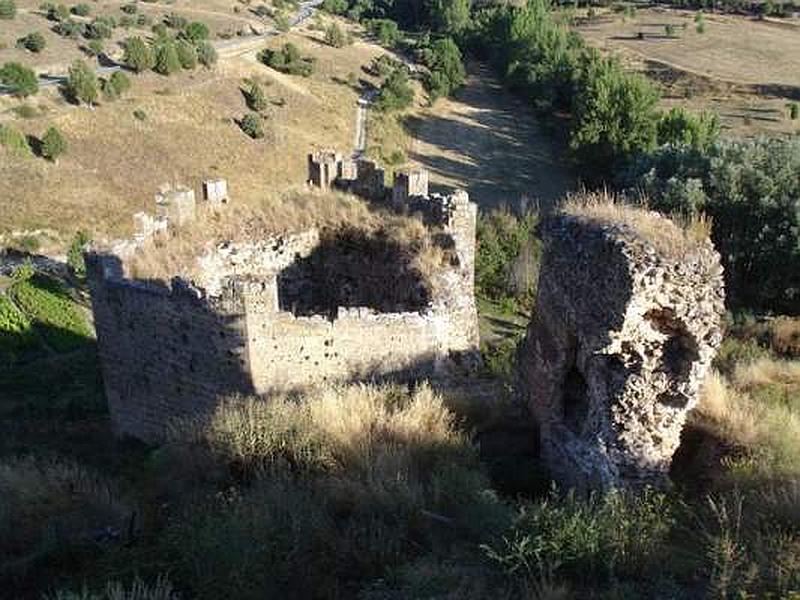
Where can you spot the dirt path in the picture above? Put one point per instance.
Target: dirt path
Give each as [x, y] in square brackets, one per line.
[488, 142]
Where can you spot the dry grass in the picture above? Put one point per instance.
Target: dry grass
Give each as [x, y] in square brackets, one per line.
[736, 68]
[671, 239]
[786, 336]
[739, 413]
[293, 211]
[116, 163]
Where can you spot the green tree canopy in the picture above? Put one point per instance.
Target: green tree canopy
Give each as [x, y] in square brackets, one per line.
[82, 82]
[21, 80]
[167, 60]
[138, 55]
[53, 144]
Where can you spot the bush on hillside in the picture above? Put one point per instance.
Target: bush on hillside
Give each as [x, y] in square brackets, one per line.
[396, 92]
[255, 97]
[8, 9]
[81, 10]
[176, 21]
[446, 69]
[14, 141]
[288, 60]
[33, 42]
[167, 59]
[53, 144]
[678, 127]
[253, 125]
[187, 55]
[334, 36]
[507, 257]
[75, 253]
[100, 28]
[195, 32]
[82, 83]
[138, 55]
[751, 192]
[385, 31]
[206, 54]
[69, 28]
[21, 80]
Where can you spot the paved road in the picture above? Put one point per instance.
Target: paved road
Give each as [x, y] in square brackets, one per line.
[227, 47]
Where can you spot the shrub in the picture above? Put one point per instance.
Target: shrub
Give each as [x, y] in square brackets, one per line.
[75, 253]
[8, 9]
[95, 47]
[253, 125]
[508, 255]
[21, 80]
[119, 82]
[396, 92]
[794, 111]
[53, 144]
[81, 10]
[26, 111]
[447, 72]
[385, 31]
[334, 36]
[186, 54]
[47, 303]
[617, 534]
[129, 9]
[82, 83]
[347, 481]
[206, 54]
[138, 56]
[196, 32]
[17, 337]
[14, 142]
[750, 191]
[282, 23]
[49, 505]
[139, 115]
[99, 29]
[288, 60]
[34, 42]
[167, 60]
[678, 127]
[175, 21]
[256, 99]
[69, 28]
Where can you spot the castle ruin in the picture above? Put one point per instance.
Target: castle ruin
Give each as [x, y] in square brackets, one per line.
[282, 314]
[621, 340]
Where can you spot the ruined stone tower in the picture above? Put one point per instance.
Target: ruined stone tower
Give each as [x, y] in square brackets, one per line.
[623, 335]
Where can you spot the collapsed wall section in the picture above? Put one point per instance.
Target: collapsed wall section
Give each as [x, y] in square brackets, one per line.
[622, 338]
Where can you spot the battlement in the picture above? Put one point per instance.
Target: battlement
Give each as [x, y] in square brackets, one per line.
[284, 313]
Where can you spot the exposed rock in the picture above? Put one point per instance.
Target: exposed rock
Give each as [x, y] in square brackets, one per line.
[622, 338]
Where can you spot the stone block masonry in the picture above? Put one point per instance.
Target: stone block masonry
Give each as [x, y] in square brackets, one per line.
[622, 338]
[170, 352]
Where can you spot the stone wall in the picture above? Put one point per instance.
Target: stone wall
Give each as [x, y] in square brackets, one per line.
[168, 353]
[622, 338]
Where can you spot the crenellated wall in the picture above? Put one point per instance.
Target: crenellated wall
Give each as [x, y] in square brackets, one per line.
[171, 352]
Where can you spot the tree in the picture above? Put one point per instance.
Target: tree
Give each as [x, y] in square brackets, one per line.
[75, 253]
[385, 30]
[8, 9]
[138, 56]
[614, 117]
[450, 16]
[187, 55]
[82, 83]
[396, 92]
[196, 32]
[206, 54]
[678, 127]
[447, 72]
[21, 80]
[34, 42]
[334, 36]
[256, 99]
[252, 125]
[53, 144]
[167, 60]
[81, 10]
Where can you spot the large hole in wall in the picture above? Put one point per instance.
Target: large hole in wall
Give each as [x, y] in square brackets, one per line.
[352, 267]
[680, 349]
[574, 392]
